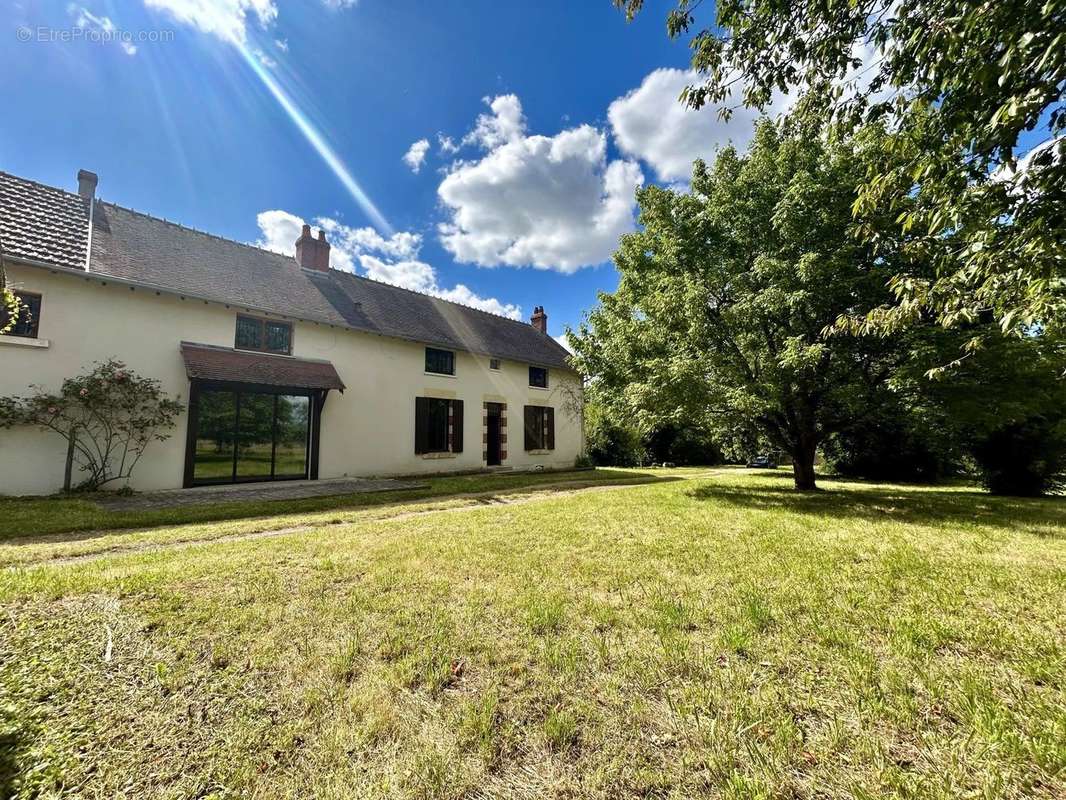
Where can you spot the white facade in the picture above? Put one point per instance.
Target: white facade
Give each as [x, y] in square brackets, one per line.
[369, 430]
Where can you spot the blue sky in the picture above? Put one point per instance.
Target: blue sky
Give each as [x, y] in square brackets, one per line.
[185, 129]
[550, 114]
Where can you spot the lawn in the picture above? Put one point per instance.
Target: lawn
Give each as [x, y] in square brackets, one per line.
[36, 516]
[714, 636]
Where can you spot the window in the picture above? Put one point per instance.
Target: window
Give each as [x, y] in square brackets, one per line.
[440, 361]
[438, 425]
[265, 335]
[538, 376]
[28, 322]
[494, 363]
[540, 427]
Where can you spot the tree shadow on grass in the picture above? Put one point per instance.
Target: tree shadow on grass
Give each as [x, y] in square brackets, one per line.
[900, 503]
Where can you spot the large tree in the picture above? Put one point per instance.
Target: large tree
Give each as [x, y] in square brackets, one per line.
[958, 83]
[728, 293]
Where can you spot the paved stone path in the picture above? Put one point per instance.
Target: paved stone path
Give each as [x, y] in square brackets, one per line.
[252, 492]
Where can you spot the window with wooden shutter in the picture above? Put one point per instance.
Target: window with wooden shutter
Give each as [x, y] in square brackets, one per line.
[457, 426]
[438, 425]
[421, 425]
[530, 420]
[539, 428]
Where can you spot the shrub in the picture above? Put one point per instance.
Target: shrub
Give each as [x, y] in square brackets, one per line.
[609, 443]
[682, 445]
[108, 416]
[1026, 459]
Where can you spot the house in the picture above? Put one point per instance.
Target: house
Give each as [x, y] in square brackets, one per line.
[289, 369]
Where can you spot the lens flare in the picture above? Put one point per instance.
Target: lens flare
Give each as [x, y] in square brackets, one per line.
[316, 140]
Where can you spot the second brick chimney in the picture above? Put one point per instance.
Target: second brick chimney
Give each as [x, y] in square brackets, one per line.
[87, 184]
[539, 320]
[312, 253]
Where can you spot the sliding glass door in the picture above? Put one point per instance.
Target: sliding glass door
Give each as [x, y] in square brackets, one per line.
[250, 436]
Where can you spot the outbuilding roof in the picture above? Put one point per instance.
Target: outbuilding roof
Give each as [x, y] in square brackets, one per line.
[48, 226]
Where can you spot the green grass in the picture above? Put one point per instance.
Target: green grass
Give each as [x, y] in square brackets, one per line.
[718, 636]
[37, 516]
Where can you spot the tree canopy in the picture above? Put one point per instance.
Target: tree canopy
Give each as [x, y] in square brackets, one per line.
[726, 295]
[957, 83]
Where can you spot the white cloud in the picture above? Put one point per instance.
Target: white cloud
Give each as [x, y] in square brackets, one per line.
[364, 251]
[227, 19]
[651, 124]
[505, 124]
[561, 339]
[446, 145]
[415, 156]
[551, 202]
[101, 28]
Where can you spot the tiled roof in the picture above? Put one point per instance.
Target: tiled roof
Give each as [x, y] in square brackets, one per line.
[39, 223]
[146, 250]
[210, 363]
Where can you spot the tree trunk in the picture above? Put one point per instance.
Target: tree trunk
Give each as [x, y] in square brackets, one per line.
[803, 463]
[71, 439]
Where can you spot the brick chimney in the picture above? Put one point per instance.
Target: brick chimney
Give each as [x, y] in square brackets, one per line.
[87, 184]
[312, 253]
[539, 320]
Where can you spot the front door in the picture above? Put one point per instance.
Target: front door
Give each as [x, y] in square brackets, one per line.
[248, 435]
[493, 446]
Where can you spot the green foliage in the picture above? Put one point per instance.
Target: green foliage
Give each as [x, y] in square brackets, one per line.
[726, 295]
[108, 416]
[610, 442]
[682, 446]
[957, 83]
[9, 302]
[1026, 458]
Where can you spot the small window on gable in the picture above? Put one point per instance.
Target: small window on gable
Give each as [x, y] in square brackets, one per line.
[538, 376]
[29, 316]
[441, 362]
[264, 335]
[494, 363]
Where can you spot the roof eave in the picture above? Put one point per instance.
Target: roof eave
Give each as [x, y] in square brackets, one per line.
[105, 277]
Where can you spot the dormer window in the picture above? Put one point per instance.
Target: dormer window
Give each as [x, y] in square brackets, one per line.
[264, 335]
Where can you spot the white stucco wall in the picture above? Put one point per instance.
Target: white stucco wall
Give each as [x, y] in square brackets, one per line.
[368, 430]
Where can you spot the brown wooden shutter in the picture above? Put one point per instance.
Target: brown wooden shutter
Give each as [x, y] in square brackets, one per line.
[549, 423]
[421, 425]
[457, 426]
[531, 420]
